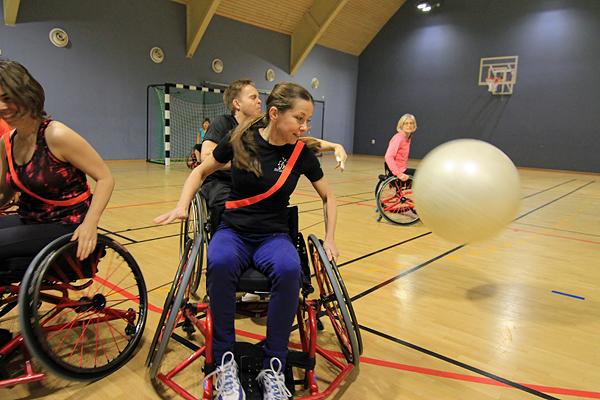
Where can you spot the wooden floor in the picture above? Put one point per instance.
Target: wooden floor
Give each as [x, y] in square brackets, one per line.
[438, 321]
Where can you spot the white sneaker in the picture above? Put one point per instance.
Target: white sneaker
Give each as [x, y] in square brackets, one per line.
[250, 298]
[273, 382]
[227, 382]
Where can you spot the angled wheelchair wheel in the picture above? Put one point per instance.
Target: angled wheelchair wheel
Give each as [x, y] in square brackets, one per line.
[335, 301]
[395, 203]
[381, 179]
[195, 226]
[168, 306]
[176, 299]
[83, 320]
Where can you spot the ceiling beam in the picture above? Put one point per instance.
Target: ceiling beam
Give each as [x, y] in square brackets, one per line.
[314, 22]
[198, 16]
[11, 9]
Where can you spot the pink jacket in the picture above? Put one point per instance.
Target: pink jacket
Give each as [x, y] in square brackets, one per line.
[396, 156]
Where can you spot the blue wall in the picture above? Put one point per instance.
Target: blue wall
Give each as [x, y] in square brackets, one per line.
[428, 65]
[97, 85]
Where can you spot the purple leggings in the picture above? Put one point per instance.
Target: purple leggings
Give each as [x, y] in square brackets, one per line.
[229, 255]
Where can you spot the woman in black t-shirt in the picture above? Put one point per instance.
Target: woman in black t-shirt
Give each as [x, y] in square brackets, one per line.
[256, 230]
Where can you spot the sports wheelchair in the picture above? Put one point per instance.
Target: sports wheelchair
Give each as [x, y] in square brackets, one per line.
[80, 320]
[332, 301]
[394, 198]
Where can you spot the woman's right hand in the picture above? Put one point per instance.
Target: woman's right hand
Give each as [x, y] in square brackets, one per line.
[340, 157]
[331, 250]
[176, 213]
[404, 177]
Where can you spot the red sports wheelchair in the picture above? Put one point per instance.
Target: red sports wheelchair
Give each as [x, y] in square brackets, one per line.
[80, 320]
[332, 301]
[394, 198]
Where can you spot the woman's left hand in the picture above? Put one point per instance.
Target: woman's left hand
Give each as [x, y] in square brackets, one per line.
[86, 235]
[330, 250]
[340, 157]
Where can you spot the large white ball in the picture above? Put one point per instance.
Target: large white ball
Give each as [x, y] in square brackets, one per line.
[466, 190]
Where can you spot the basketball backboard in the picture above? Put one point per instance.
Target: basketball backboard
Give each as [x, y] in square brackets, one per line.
[499, 74]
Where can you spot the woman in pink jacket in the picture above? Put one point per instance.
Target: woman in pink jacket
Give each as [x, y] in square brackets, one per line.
[396, 156]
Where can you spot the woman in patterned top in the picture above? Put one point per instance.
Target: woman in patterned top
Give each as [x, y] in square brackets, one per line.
[50, 162]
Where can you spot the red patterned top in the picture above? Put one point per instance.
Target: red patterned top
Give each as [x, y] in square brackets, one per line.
[52, 179]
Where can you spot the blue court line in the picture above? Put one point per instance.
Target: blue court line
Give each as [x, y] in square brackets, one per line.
[569, 295]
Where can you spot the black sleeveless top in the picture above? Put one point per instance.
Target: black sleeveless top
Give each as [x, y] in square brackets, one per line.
[52, 179]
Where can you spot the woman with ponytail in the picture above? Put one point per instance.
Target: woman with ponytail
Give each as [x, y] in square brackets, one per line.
[254, 228]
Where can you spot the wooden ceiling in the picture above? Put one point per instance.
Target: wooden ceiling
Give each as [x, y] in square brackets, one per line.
[344, 25]
[352, 29]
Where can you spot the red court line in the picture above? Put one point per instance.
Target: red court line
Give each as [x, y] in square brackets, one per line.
[444, 374]
[556, 236]
[150, 203]
[125, 293]
[356, 203]
[434, 372]
[477, 379]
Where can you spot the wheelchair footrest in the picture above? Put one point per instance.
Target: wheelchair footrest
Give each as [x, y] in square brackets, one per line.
[249, 358]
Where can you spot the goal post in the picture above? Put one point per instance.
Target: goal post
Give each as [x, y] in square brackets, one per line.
[174, 115]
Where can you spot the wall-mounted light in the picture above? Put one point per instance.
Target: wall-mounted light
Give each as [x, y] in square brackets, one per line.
[157, 55]
[217, 65]
[58, 37]
[270, 75]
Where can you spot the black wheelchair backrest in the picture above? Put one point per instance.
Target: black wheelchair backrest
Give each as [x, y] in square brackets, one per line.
[298, 240]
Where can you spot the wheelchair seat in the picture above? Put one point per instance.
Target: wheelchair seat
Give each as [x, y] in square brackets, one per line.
[252, 280]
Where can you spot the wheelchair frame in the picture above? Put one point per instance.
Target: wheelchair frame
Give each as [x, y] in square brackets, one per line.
[333, 302]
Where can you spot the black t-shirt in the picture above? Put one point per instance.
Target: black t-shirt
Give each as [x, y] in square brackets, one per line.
[217, 130]
[268, 215]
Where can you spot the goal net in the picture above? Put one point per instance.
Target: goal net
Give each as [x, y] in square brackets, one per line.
[175, 113]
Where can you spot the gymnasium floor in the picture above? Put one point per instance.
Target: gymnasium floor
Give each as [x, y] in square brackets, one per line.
[439, 321]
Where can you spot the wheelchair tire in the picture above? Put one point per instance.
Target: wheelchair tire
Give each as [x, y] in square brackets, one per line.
[204, 220]
[396, 207]
[83, 320]
[180, 297]
[382, 178]
[336, 302]
[336, 271]
[167, 306]
[191, 228]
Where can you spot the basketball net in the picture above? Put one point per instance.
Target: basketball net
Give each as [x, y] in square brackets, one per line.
[493, 82]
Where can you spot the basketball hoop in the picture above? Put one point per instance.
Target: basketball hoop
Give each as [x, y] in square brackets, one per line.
[492, 83]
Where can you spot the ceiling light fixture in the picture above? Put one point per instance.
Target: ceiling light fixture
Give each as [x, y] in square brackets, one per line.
[427, 6]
